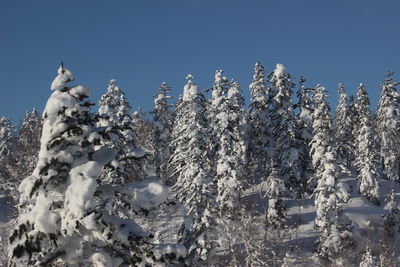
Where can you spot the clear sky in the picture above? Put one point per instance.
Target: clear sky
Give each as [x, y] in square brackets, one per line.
[144, 42]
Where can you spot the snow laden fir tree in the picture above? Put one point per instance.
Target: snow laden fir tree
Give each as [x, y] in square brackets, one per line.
[62, 217]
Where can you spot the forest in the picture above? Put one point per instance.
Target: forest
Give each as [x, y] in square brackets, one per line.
[203, 180]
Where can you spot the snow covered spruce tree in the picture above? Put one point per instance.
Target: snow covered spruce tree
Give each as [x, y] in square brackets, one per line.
[118, 133]
[163, 123]
[277, 211]
[391, 219]
[194, 186]
[7, 148]
[259, 120]
[329, 194]
[387, 127]
[144, 129]
[344, 127]
[369, 260]
[28, 145]
[305, 108]
[366, 154]
[62, 218]
[285, 132]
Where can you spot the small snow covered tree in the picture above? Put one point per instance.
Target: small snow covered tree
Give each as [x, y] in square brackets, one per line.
[305, 108]
[118, 133]
[285, 131]
[259, 121]
[144, 129]
[163, 123]
[329, 194]
[28, 145]
[62, 218]
[369, 260]
[392, 218]
[387, 127]
[366, 156]
[194, 186]
[7, 148]
[277, 211]
[344, 127]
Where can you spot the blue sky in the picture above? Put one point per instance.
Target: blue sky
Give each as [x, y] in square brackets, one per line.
[144, 42]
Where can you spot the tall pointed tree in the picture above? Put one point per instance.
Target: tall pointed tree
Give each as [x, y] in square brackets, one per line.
[387, 127]
[117, 125]
[366, 156]
[62, 218]
[285, 131]
[344, 127]
[259, 120]
[194, 186]
[329, 194]
[163, 123]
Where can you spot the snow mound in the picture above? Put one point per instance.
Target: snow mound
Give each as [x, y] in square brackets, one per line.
[147, 194]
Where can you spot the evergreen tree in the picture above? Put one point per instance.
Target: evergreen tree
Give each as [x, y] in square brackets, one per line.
[285, 131]
[259, 120]
[163, 123]
[366, 159]
[62, 218]
[387, 127]
[368, 260]
[7, 148]
[329, 194]
[144, 129]
[277, 210]
[230, 157]
[117, 125]
[28, 144]
[391, 219]
[194, 186]
[305, 108]
[344, 127]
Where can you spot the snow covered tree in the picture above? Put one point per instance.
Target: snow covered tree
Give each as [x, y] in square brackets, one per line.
[28, 145]
[277, 210]
[366, 156]
[144, 129]
[194, 186]
[259, 121]
[285, 131]
[368, 260]
[305, 108]
[329, 194]
[7, 148]
[163, 123]
[117, 125]
[230, 155]
[387, 127]
[392, 218]
[62, 218]
[344, 127]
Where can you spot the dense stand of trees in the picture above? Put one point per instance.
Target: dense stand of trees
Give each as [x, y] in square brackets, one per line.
[68, 172]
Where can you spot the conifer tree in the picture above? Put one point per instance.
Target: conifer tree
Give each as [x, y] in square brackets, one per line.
[366, 156]
[387, 127]
[7, 148]
[285, 131]
[391, 219]
[194, 186]
[277, 210]
[344, 127]
[329, 194]
[163, 123]
[259, 120]
[230, 169]
[369, 260]
[62, 218]
[28, 145]
[305, 108]
[117, 125]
